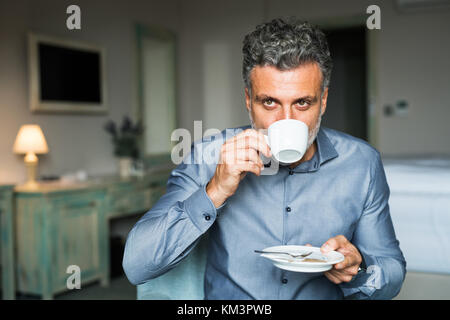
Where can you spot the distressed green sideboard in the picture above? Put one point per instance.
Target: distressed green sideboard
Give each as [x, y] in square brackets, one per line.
[7, 243]
[59, 225]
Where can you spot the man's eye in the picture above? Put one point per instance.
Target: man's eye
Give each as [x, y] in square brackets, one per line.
[269, 103]
[303, 103]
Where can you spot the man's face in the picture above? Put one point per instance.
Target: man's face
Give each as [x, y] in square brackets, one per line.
[290, 94]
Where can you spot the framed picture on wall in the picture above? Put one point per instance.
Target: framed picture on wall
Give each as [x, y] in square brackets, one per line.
[66, 76]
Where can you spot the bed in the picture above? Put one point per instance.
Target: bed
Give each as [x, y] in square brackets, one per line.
[420, 210]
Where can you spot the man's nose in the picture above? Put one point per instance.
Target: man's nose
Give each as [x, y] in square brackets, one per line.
[286, 113]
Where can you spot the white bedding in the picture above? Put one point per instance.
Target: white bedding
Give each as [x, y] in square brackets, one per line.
[420, 211]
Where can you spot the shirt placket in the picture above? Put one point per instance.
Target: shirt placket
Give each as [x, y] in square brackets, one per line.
[284, 275]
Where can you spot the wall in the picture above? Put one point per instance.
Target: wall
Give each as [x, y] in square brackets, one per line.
[75, 141]
[414, 65]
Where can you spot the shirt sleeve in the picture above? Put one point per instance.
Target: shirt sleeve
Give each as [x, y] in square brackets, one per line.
[170, 230]
[376, 241]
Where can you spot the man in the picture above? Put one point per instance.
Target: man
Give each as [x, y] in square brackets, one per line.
[335, 197]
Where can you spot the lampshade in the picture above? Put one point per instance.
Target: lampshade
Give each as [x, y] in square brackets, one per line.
[30, 139]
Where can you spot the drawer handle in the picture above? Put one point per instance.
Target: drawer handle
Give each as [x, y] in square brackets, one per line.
[81, 205]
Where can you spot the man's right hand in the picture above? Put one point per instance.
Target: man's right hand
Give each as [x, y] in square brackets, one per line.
[238, 156]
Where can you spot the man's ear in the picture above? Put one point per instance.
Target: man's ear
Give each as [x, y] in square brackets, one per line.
[247, 99]
[324, 100]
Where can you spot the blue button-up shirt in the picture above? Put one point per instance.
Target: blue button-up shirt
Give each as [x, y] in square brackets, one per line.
[342, 190]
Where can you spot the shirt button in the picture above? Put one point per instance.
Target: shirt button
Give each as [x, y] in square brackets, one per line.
[291, 172]
[208, 217]
[284, 281]
[288, 209]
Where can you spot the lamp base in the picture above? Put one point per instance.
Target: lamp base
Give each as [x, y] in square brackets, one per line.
[31, 184]
[31, 162]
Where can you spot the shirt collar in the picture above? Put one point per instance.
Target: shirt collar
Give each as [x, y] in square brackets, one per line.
[325, 152]
[325, 147]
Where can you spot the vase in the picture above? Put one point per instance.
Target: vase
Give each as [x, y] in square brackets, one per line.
[125, 166]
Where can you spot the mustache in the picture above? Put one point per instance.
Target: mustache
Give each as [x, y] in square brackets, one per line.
[312, 134]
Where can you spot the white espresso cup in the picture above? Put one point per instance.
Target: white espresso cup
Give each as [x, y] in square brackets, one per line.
[287, 140]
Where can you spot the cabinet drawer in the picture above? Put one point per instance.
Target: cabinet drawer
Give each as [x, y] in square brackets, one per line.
[142, 200]
[130, 202]
[120, 202]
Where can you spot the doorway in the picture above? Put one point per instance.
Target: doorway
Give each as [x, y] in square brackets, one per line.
[347, 97]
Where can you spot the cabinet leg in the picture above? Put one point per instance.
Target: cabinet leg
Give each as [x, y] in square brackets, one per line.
[104, 281]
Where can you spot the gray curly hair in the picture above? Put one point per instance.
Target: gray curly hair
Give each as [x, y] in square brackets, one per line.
[286, 45]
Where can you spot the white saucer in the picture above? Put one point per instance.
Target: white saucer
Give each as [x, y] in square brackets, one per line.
[298, 264]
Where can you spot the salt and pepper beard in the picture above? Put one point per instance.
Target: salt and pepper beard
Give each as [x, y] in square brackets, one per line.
[312, 134]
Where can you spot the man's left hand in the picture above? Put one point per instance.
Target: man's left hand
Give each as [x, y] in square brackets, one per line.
[347, 269]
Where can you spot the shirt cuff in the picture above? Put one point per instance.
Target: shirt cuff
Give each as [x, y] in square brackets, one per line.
[200, 209]
[365, 282]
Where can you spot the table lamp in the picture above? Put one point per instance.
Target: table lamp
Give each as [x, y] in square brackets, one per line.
[29, 141]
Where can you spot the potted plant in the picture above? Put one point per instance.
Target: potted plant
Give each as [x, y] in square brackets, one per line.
[125, 140]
